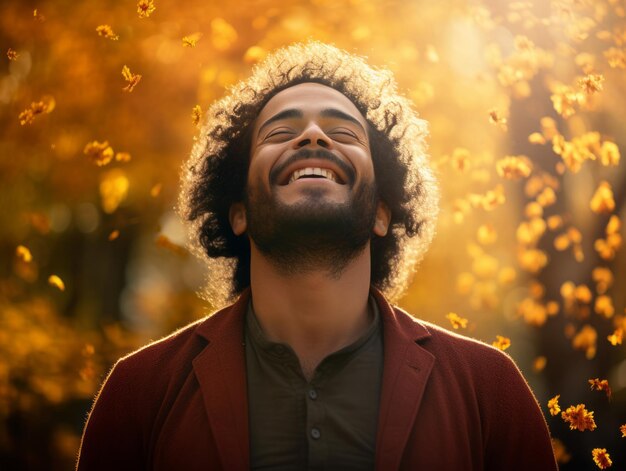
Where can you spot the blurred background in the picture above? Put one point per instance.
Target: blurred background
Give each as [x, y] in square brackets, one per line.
[99, 106]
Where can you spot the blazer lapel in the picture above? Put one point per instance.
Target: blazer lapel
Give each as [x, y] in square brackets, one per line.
[220, 369]
[407, 367]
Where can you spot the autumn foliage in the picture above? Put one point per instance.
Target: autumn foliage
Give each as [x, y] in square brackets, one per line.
[100, 105]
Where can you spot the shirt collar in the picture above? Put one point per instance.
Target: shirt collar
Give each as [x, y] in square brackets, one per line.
[281, 350]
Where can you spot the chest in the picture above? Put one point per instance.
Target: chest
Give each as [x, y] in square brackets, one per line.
[329, 418]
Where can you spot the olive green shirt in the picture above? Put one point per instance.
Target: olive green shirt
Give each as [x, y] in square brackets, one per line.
[328, 423]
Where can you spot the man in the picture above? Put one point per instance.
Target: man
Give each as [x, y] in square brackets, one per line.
[311, 179]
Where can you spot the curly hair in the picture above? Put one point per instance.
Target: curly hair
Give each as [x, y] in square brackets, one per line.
[215, 175]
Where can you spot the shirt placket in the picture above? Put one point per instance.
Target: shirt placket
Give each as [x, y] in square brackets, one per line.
[317, 436]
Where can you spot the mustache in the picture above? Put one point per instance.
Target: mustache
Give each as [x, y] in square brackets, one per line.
[304, 154]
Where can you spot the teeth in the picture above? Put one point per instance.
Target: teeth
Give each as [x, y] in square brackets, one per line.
[322, 172]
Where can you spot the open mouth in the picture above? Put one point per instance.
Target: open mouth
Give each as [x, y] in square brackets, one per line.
[308, 163]
[312, 173]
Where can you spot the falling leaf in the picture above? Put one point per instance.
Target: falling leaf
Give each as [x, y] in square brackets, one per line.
[101, 153]
[501, 342]
[547, 197]
[460, 160]
[113, 188]
[601, 458]
[507, 276]
[122, 157]
[609, 154]
[106, 32]
[132, 79]
[514, 167]
[493, 198]
[554, 222]
[604, 306]
[145, 8]
[616, 337]
[549, 129]
[254, 54]
[114, 235]
[46, 105]
[497, 119]
[38, 16]
[54, 280]
[533, 210]
[532, 260]
[608, 247]
[539, 365]
[565, 100]
[196, 115]
[456, 321]
[602, 201]
[586, 340]
[191, 40]
[591, 84]
[601, 385]
[622, 428]
[530, 232]
[23, 254]
[536, 138]
[553, 405]
[156, 190]
[534, 312]
[579, 418]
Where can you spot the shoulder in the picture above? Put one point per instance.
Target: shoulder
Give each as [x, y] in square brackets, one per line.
[458, 351]
[160, 359]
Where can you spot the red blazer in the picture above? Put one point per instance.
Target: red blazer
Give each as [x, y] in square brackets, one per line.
[447, 403]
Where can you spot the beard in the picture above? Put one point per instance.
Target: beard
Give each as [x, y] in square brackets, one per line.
[313, 234]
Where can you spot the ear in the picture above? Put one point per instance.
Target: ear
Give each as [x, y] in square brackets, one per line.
[383, 218]
[237, 218]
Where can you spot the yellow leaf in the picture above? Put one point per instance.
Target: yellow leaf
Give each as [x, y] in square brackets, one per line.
[456, 321]
[501, 342]
[145, 8]
[57, 282]
[106, 32]
[132, 79]
[23, 253]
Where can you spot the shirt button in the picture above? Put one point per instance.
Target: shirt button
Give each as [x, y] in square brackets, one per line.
[315, 433]
[313, 394]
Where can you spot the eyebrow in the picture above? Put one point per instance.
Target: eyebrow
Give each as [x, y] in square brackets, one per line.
[335, 113]
[286, 114]
[296, 113]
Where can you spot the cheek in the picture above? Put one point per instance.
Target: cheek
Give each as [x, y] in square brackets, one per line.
[259, 166]
[362, 161]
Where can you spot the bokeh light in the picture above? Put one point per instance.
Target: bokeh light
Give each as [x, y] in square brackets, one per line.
[99, 105]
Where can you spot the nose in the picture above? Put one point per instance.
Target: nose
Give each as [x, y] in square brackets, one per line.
[312, 136]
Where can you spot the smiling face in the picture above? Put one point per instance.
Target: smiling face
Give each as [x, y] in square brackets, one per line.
[311, 192]
[310, 139]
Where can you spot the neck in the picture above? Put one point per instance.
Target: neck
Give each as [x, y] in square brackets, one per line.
[316, 313]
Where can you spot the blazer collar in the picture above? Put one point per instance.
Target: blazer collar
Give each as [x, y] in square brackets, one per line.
[221, 373]
[220, 369]
[407, 367]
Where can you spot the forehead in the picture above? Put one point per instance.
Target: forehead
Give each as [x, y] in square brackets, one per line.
[309, 98]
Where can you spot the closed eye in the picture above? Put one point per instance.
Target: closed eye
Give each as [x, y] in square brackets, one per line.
[344, 135]
[343, 131]
[279, 132]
